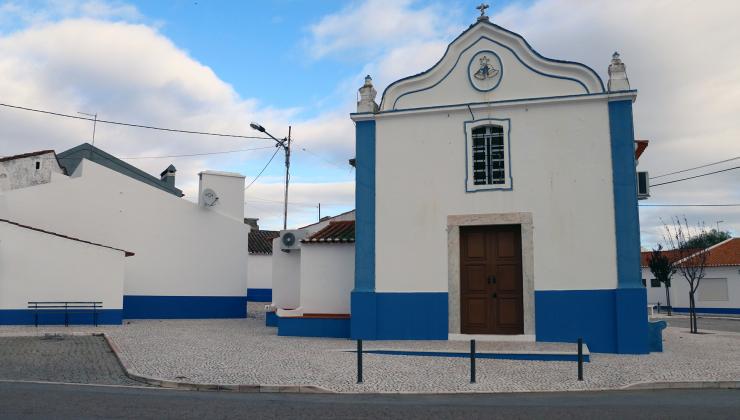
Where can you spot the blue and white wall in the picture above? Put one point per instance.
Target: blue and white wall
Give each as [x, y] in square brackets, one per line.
[37, 266]
[571, 160]
[718, 293]
[191, 260]
[259, 278]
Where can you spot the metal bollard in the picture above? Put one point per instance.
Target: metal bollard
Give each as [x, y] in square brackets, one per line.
[472, 361]
[359, 361]
[580, 359]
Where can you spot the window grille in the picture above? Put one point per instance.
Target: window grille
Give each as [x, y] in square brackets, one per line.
[488, 155]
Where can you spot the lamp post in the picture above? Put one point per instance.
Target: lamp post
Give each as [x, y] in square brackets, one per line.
[285, 144]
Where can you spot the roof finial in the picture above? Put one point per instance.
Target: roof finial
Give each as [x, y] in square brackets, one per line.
[617, 75]
[482, 7]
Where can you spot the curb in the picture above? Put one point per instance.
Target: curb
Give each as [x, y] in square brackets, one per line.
[683, 385]
[190, 386]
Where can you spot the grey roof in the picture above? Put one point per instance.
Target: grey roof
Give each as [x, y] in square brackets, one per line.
[70, 159]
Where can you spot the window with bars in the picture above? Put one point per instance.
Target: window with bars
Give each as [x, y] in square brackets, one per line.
[489, 165]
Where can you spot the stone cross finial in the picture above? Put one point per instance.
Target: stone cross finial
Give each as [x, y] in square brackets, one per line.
[482, 7]
[367, 96]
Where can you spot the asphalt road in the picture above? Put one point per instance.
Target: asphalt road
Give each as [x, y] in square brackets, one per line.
[714, 324]
[34, 401]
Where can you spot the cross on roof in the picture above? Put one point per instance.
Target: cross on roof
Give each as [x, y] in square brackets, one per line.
[482, 7]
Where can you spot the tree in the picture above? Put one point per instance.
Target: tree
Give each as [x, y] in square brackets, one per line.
[690, 262]
[662, 269]
[706, 239]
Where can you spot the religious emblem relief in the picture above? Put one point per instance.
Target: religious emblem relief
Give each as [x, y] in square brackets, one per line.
[485, 71]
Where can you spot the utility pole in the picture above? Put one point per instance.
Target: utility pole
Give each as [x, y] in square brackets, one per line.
[287, 178]
[319, 212]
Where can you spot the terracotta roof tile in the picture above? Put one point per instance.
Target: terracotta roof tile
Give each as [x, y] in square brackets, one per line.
[260, 241]
[725, 253]
[334, 232]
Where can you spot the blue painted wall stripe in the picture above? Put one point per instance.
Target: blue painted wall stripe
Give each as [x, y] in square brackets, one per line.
[710, 310]
[259, 295]
[184, 307]
[314, 327]
[627, 221]
[399, 316]
[82, 317]
[365, 202]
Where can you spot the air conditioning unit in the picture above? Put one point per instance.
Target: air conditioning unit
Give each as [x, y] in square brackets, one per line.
[291, 239]
[643, 185]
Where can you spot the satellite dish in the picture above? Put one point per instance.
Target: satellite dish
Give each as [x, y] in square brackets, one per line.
[209, 197]
[288, 239]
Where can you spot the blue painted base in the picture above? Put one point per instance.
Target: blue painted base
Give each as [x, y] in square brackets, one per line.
[314, 327]
[721, 311]
[609, 321]
[656, 335]
[184, 307]
[502, 356]
[82, 317]
[271, 319]
[399, 316]
[259, 295]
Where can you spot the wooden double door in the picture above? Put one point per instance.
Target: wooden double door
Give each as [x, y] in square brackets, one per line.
[491, 300]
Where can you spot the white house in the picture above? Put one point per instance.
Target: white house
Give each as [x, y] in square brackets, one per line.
[41, 266]
[496, 195]
[191, 258]
[28, 169]
[719, 290]
[259, 269]
[313, 278]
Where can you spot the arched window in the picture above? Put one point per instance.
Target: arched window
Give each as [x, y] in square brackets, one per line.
[488, 155]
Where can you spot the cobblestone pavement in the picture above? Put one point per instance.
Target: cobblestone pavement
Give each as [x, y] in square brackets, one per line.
[244, 351]
[84, 359]
[706, 324]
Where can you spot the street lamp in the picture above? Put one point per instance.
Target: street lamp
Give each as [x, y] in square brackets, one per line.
[285, 144]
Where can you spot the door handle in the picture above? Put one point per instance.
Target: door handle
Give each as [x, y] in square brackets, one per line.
[493, 279]
[493, 295]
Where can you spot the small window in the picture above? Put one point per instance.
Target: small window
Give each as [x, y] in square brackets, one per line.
[644, 283]
[38, 165]
[487, 143]
[654, 283]
[713, 290]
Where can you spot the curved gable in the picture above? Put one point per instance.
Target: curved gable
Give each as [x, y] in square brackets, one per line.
[489, 63]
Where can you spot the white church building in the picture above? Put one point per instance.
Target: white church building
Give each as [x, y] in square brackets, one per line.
[496, 195]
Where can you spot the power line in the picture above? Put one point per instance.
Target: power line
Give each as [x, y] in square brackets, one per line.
[263, 169]
[150, 127]
[689, 205]
[695, 176]
[696, 167]
[198, 154]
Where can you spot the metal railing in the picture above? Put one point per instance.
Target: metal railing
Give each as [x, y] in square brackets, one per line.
[67, 308]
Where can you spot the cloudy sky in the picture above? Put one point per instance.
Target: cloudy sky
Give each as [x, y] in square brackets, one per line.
[215, 66]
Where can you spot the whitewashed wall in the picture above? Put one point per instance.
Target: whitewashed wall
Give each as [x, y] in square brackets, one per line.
[561, 171]
[229, 188]
[327, 278]
[286, 277]
[259, 271]
[182, 249]
[36, 266]
[680, 289]
[22, 172]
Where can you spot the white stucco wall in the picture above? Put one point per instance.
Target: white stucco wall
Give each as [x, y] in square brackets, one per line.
[561, 171]
[22, 172]
[680, 289]
[182, 249]
[259, 271]
[229, 188]
[286, 277]
[327, 278]
[36, 266]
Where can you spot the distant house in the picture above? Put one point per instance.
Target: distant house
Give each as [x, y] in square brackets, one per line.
[191, 258]
[28, 169]
[259, 269]
[719, 290]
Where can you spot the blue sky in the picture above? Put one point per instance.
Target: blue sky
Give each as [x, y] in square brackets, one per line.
[215, 66]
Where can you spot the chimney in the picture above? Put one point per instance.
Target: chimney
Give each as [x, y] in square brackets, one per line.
[367, 97]
[617, 75]
[168, 176]
[252, 222]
